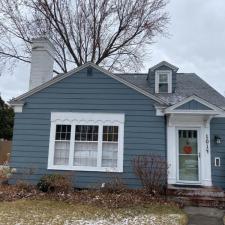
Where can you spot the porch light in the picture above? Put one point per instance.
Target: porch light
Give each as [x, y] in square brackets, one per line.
[218, 140]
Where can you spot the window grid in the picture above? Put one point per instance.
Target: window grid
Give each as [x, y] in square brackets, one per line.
[163, 81]
[62, 144]
[163, 78]
[86, 133]
[62, 132]
[110, 146]
[110, 133]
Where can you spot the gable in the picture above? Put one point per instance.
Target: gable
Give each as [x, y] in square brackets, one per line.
[166, 64]
[196, 105]
[193, 105]
[84, 91]
[89, 67]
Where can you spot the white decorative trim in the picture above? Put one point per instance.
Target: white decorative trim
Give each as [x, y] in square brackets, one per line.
[18, 107]
[63, 76]
[88, 118]
[169, 79]
[78, 118]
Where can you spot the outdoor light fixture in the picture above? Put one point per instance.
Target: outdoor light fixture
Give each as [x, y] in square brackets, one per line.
[218, 140]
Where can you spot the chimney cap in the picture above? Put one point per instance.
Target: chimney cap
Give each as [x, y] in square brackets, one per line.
[42, 40]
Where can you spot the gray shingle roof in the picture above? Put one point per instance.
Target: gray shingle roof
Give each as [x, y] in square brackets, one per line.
[188, 84]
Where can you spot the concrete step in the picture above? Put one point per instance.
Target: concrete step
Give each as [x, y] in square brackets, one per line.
[185, 191]
[200, 201]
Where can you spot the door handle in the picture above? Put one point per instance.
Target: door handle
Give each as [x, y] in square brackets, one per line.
[199, 155]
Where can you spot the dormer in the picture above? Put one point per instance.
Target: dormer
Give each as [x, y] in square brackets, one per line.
[162, 77]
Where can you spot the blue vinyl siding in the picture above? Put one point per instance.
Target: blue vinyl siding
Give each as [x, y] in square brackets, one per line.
[193, 105]
[218, 150]
[144, 132]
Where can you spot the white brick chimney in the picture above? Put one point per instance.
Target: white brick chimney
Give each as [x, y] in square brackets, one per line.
[42, 60]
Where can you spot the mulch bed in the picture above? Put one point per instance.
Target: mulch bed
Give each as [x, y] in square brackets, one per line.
[93, 197]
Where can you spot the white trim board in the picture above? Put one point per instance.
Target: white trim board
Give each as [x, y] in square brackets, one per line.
[63, 76]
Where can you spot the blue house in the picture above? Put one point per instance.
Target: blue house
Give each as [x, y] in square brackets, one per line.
[94, 122]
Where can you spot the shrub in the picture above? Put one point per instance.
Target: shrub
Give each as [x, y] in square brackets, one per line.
[55, 183]
[114, 185]
[152, 171]
[6, 172]
[24, 186]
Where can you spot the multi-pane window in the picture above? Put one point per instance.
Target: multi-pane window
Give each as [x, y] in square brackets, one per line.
[163, 83]
[86, 145]
[62, 144]
[86, 141]
[110, 146]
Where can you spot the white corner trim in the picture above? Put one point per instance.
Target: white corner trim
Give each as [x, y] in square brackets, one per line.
[63, 76]
[17, 107]
[169, 79]
[79, 118]
[159, 110]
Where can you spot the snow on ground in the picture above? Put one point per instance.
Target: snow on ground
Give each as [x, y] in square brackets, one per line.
[137, 220]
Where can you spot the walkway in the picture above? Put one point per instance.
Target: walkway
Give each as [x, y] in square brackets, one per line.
[204, 216]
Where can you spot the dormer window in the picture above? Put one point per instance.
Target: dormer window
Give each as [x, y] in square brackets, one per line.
[163, 81]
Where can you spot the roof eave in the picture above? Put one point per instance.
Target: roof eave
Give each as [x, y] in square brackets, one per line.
[63, 76]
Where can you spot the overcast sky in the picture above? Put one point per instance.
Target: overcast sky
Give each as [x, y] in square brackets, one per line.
[196, 44]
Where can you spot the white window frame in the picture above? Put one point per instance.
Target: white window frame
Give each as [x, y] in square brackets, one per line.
[75, 118]
[169, 78]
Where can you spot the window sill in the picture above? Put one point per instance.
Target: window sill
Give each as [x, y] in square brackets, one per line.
[86, 168]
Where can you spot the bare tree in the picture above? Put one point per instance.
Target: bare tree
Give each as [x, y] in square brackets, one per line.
[111, 33]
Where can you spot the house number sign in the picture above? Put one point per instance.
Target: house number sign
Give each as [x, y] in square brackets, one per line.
[207, 143]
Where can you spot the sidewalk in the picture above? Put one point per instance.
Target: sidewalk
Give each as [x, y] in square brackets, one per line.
[204, 216]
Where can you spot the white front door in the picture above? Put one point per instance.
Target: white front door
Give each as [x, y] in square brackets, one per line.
[188, 155]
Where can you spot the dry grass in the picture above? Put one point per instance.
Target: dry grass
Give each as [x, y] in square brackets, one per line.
[100, 198]
[23, 204]
[51, 212]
